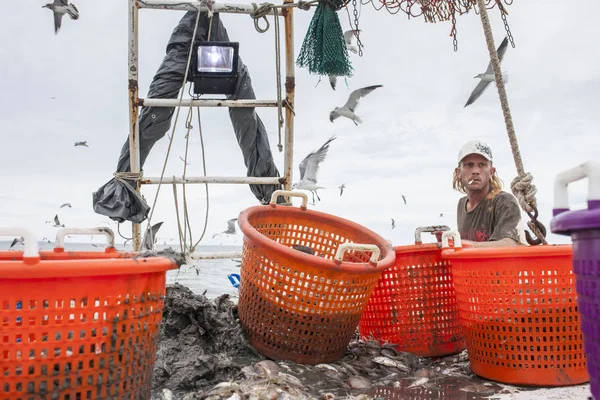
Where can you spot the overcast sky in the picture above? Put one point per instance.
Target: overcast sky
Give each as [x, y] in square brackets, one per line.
[59, 89]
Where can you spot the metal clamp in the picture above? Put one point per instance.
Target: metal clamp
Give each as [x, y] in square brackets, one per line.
[110, 236]
[431, 228]
[31, 250]
[590, 170]
[342, 248]
[454, 235]
[289, 193]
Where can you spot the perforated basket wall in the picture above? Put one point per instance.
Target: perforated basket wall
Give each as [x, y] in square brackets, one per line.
[518, 309]
[586, 265]
[414, 304]
[79, 326]
[298, 306]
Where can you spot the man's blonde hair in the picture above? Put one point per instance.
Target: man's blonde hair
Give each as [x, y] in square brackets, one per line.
[495, 184]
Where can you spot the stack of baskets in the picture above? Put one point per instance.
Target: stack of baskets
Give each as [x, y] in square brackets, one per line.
[78, 325]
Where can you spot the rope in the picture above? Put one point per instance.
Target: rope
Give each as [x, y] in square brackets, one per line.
[123, 177]
[177, 215]
[278, 76]
[522, 186]
[187, 226]
[261, 12]
[162, 174]
[205, 185]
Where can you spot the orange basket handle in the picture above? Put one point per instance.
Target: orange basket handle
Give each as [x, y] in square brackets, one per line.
[60, 236]
[289, 193]
[30, 254]
[454, 235]
[344, 247]
[431, 228]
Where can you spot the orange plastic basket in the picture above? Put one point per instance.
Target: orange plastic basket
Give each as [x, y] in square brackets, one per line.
[79, 325]
[414, 304]
[303, 307]
[518, 309]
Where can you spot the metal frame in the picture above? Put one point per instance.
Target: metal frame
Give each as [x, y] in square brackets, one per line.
[135, 102]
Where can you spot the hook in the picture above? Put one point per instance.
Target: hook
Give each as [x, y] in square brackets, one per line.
[538, 224]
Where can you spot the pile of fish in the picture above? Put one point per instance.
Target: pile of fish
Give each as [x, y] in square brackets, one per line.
[203, 354]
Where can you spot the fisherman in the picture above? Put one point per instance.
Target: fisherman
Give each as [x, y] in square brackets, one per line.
[486, 216]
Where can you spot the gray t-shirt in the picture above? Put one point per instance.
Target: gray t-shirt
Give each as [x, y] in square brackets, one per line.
[492, 219]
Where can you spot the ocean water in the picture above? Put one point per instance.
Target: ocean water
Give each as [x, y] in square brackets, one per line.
[208, 277]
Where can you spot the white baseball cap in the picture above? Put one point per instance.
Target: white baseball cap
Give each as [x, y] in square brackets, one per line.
[475, 147]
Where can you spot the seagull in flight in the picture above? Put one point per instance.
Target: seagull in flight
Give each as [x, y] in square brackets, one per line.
[57, 223]
[66, 205]
[393, 223]
[60, 8]
[309, 168]
[347, 110]
[488, 75]
[348, 36]
[84, 143]
[150, 237]
[404, 198]
[230, 228]
[342, 188]
[17, 240]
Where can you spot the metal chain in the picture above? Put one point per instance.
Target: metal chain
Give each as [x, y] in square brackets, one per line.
[357, 34]
[506, 27]
[453, 32]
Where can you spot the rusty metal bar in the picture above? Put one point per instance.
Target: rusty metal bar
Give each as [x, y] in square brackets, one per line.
[196, 255]
[195, 5]
[134, 129]
[206, 103]
[290, 89]
[213, 179]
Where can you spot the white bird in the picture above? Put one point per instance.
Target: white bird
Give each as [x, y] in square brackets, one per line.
[150, 237]
[57, 223]
[488, 75]
[342, 187]
[81, 144]
[348, 36]
[60, 8]
[66, 205]
[404, 198]
[347, 110]
[17, 240]
[393, 223]
[230, 228]
[332, 81]
[309, 167]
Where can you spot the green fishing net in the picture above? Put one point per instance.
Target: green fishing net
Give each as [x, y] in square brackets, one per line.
[324, 50]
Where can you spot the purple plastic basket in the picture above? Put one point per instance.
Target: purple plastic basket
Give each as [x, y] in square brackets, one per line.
[584, 228]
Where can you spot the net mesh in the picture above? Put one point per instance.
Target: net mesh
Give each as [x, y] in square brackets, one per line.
[324, 50]
[433, 10]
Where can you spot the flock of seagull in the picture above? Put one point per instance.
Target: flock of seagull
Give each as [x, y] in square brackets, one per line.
[309, 166]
